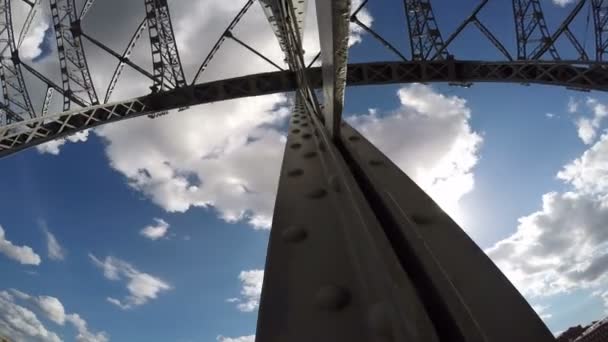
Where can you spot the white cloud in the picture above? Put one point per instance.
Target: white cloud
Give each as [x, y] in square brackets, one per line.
[250, 338]
[20, 323]
[30, 48]
[429, 137]
[23, 254]
[550, 115]
[53, 146]
[52, 308]
[573, 105]
[564, 245]
[141, 286]
[157, 231]
[587, 127]
[202, 158]
[356, 31]
[563, 3]
[541, 311]
[55, 250]
[84, 335]
[251, 290]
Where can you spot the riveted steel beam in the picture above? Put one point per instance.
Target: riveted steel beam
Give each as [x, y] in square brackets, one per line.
[75, 74]
[330, 275]
[459, 286]
[333, 18]
[166, 63]
[17, 136]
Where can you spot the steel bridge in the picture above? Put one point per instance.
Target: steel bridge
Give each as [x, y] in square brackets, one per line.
[357, 251]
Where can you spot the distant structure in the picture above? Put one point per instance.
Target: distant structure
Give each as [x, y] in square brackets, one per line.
[596, 332]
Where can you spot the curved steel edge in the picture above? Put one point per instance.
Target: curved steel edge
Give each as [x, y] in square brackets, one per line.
[583, 76]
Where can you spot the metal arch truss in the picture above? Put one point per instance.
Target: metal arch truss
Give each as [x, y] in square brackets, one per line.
[28, 133]
[75, 75]
[16, 104]
[531, 29]
[168, 72]
[425, 37]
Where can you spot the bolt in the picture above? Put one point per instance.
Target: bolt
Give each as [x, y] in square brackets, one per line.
[296, 146]
[294, 234]
[295, 172]
[332, 298]
[310, 154]
[317, 193]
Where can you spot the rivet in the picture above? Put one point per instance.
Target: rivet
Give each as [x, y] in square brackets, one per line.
[296, 131]
[310, 154]
[334, 183]
[296, 121]
[295, 172]
[306, 136]
[296, 146]
[332, 298]
[316, 132]
[379, 320]
[354, 138]
[376, 162]
[304, 125]
[317, 193]
[294, 234]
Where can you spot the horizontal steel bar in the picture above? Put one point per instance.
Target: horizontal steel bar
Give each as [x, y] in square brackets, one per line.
[579, 75]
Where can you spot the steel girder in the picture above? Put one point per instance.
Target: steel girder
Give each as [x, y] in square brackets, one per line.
[425, 37]
[16, 105]
[27, 133]
[358, 252]
[123, 59]
[168, 71]
[600, 19]
[75, 75]
[333, 18]
[531, 29]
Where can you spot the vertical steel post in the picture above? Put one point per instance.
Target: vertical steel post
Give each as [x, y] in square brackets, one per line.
[333, 19]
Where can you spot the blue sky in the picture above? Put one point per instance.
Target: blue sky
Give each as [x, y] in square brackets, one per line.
[156, 230]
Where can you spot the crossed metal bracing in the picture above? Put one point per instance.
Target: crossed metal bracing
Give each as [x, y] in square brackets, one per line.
[16, 104]
[541, 48]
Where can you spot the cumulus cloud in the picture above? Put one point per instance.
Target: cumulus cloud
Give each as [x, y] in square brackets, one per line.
[142, 287]
[30, 48]
[250, 338]
[21, 323]
[53, 146]
[155, 231]
[364, 16]
[588, 126]
[204, 158]
[251, 290]
[55, 250]
[564, 245]
[429, 137]
[23, 254]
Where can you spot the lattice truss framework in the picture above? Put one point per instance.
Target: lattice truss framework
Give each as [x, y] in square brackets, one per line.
[535, 57]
